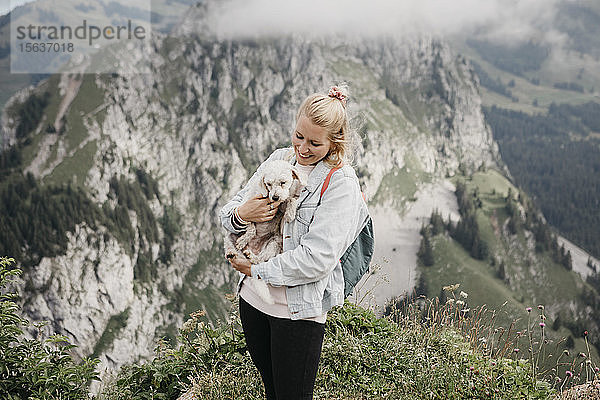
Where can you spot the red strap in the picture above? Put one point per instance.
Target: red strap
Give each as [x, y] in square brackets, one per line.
[326, 182]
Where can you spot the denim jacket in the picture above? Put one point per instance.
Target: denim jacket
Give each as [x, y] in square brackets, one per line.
[313, 243]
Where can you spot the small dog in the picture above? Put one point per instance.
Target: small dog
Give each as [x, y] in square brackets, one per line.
[279, 181]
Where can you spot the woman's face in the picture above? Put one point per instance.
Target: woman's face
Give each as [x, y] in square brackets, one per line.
[311, 142]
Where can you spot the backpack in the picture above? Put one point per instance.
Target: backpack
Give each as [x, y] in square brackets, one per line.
[357, 257]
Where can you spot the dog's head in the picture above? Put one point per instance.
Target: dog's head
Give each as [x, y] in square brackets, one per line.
[280, 181]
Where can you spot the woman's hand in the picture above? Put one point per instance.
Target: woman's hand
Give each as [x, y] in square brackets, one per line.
[258, 209]
[242, 265]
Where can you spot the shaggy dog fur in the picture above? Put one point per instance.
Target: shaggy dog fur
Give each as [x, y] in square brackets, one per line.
[262, 241]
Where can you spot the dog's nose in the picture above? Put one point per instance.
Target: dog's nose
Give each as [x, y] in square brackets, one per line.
[275, 198]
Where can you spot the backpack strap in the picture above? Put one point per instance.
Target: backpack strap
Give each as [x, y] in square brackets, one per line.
[327, 179]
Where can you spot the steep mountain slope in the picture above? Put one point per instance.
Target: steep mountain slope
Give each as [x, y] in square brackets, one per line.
[164, 16]
[111, 187]
[149, 159]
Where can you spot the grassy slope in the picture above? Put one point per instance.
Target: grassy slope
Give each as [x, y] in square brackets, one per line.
[398, 186]
[552, 71]
[534, 280]
[363, 358]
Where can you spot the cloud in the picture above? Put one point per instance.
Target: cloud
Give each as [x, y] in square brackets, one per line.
[498, 20]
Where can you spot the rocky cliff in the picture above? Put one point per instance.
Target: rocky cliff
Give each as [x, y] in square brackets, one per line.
[159, 153]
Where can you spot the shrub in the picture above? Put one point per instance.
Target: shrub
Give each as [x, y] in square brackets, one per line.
[35, 368]
[364, 357]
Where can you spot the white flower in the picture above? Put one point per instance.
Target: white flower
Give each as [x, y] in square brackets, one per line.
[464, 295]
[188, 326]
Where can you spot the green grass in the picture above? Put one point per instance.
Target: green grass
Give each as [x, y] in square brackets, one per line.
[532, 278]
[29, 152]
[115, 325]
[363, 357]
[477, 278]
[400, 185]
[88, 98]
[550, 72]
[74, 169]
[210, 298]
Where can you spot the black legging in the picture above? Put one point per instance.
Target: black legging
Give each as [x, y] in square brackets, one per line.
[286, 352]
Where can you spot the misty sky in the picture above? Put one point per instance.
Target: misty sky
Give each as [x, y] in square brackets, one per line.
[7, 5]
[502, 20]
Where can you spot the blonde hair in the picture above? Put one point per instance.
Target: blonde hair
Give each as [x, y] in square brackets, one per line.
[329, 113]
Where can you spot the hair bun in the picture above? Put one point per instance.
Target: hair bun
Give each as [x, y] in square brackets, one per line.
[338, 93]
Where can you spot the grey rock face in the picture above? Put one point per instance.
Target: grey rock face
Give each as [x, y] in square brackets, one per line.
[199, 124]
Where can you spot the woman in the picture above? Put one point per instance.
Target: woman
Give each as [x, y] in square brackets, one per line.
[305, 280]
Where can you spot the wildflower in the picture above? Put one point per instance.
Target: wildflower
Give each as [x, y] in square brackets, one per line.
[464, 295]
[494, 363]
[516, 350]
[597, 369]
[542, 324]
[540, 307]
[566, 352]
[528, 309]
[471, 368]
[582, 355]
[230, 296]
[450, 301]
[198, 314]
[451, 288]
[460, 303]
[585, 333]
[569, 374]
[188, 326]
[465, 310]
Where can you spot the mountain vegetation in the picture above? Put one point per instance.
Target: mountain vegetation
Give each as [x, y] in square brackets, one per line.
[38, 368]
[515, 59]
[488, 248]
[419, 352]
[556, 158]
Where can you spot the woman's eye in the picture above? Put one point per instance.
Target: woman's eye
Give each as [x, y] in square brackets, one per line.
[298, 136]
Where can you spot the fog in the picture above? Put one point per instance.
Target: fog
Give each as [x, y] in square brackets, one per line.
[508, 21]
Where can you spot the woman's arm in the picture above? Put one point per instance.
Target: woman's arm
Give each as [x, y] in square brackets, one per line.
[226, 213]
[331, 232]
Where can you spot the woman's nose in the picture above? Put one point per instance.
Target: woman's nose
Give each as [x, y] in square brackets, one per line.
[303, 147]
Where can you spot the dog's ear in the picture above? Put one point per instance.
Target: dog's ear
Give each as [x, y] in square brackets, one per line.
[298, 183]
[262, 187]
[296, 176]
